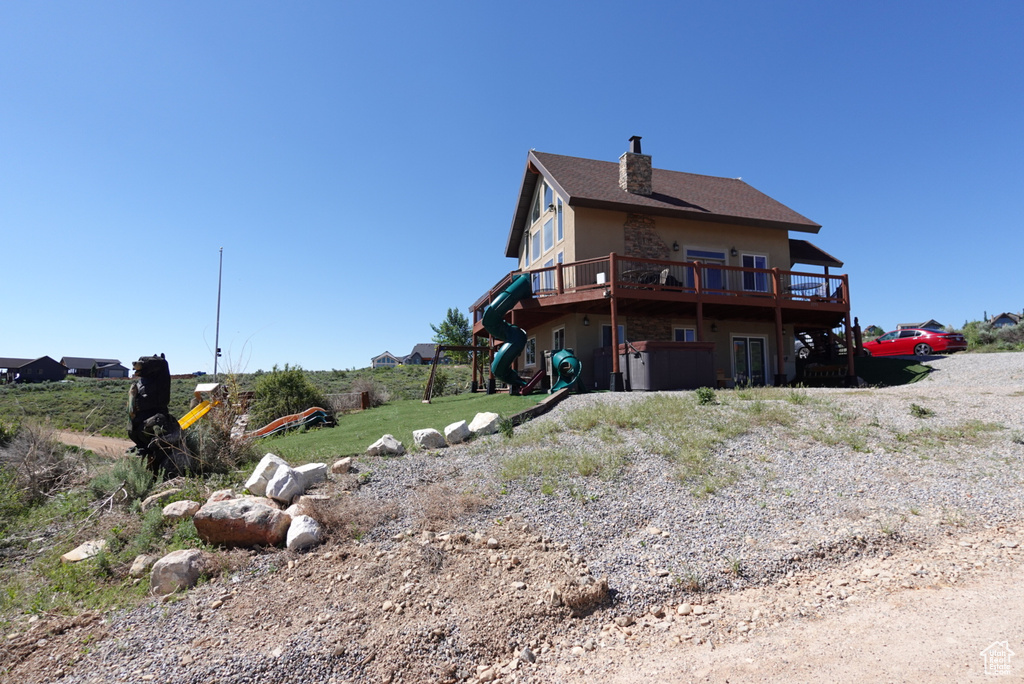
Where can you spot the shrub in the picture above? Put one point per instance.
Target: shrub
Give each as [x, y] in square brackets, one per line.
[38, 465]
[441, 382]
[127, 480]
[281, 393]
[378, 393]
[705, 395]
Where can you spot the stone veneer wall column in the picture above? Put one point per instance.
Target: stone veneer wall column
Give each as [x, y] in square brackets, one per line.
[642, 242]
[648, 328]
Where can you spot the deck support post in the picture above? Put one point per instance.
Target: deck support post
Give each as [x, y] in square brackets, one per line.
[615, 383]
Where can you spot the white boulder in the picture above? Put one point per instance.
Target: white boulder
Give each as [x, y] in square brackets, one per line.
[178, 570]
[485, 424]
[457, 432]
[181, 509]
[429, 438]
[265, 469]
[386, 446]
[342, 466]
[285, 485]
[311, 474]
[303, 533]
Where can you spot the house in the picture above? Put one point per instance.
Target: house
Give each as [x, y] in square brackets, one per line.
[930, 324]
[695, 273]
[88, 367]
[1004, 319]
[423, 354]
[385, 360]
[42, 369]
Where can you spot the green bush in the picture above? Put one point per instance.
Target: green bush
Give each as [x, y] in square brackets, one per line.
[127, 480]
[282, 393]
[705, 395]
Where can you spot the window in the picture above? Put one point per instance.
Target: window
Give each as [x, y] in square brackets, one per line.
[558, 339]
[561, 220]
[684, 334]
[549, 234]
[547, 278]
[526, 250]
[606, 335]
[535, 214]
[710, 278]
[549, 198]
[755, 282]
[531, 352]
[535, 247]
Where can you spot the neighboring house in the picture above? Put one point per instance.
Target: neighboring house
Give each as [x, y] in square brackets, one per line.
[423, 354]
[32, 370]
[88, 367]
[1004, 319]
[930, 324]
[385, 360]
[697, 271]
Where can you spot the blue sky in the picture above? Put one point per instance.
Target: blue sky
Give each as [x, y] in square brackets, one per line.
[359, 162]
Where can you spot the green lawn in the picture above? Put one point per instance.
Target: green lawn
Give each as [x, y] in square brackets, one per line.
[356, 431]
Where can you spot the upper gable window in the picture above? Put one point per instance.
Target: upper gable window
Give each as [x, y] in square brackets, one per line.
[549, 234]
[543, 201]
[538, 209]
[561, 220]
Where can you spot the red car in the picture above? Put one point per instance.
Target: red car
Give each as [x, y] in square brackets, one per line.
[915, 341]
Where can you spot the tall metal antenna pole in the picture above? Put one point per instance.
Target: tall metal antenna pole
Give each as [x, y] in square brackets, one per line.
[216, 342]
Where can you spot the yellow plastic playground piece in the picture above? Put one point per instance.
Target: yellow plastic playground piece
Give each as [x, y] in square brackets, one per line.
[213, 389]
[195, 414]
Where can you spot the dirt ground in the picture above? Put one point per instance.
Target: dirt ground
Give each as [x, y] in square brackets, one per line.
[102, 446]
[931, 631]
[464, 606]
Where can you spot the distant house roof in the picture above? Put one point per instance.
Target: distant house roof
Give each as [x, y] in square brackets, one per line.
[87, 362]
[425, 350]
[595, 184]
[10, 362]
[1007, 315]
[931, 324]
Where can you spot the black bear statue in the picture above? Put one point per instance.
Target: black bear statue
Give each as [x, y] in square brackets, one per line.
[154, 430]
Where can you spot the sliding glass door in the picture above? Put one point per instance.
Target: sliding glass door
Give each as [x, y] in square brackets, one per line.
[749, 360]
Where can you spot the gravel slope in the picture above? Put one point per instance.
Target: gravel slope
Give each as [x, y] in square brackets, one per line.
[823, 478]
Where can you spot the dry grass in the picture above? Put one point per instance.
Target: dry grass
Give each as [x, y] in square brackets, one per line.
[39, 465]
[438, 504]
[351, 517]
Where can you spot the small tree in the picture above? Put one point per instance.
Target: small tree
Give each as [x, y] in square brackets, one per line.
[454, 330]
[873, 331]
[282, 393]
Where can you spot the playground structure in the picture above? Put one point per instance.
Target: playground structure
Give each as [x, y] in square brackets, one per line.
[311, 416]
[564, 362]
[207, 395]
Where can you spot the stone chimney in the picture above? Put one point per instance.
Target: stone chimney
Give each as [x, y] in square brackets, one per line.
[635, 169]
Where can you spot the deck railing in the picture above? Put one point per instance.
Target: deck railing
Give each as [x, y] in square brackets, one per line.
[706, 280]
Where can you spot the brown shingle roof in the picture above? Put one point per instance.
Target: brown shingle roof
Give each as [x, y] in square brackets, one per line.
[593, 183]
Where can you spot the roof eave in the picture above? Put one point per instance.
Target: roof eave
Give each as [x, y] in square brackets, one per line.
[627, 207]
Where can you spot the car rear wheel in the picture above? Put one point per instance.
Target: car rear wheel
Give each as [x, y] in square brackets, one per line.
[922, 349]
